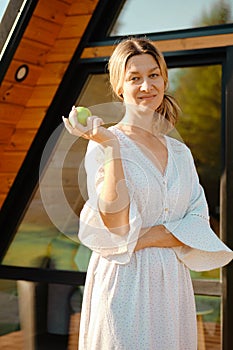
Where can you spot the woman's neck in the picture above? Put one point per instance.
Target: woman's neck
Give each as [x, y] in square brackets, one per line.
[137, 117]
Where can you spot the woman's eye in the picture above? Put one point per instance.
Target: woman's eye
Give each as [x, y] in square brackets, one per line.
[134, 78]
[154, 75]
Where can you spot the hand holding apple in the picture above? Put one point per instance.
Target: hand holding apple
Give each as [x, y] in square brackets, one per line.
[79, 114]
[83, 114]
[77, 125]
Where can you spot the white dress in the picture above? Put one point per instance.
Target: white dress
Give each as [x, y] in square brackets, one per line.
[144, 300]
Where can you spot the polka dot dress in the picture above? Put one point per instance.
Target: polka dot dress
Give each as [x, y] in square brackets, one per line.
[144, 300]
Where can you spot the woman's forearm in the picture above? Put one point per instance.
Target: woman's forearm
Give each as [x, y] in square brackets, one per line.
[157, 236]
[114, 197]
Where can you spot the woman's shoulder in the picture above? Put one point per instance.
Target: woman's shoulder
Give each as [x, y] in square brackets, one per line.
[177, 145]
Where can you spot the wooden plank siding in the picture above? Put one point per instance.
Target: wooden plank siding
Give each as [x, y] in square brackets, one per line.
[47, 46]
[169, 45]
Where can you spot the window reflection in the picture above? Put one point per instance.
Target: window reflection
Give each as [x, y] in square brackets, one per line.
[39, 316]
[3, 6]
[10, 12]
[198, 90]
[172, 16]
[47, 236]
[208, 322]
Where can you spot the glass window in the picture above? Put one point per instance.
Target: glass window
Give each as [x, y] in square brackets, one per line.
[3, 6]
[47, 235]
[10, 12]
[139, 17]
[208, 322]
[198, 91]
[36, 315]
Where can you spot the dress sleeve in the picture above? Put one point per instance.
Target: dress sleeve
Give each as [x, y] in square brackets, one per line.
[203, 249]
[92, 231]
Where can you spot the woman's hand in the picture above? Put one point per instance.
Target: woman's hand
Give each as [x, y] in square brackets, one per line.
[157, 236]
[92, 131]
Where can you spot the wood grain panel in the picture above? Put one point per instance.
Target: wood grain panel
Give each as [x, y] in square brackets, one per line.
[42, 96]
[83, 7]
[63, 50]
[52, 73]
[21, 139]
[32, 77]
[10, 162]
[74, 26]
[30, 51]
[169, 45]
[52, 10]
[69, 2]
[6, 180]
[14, 93]
[42, 31]
[9, 113]
[196, 43]
[6, 132]
[32, 118]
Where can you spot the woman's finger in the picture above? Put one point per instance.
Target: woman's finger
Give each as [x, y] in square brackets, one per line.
[97, 122]
[70, 128]
[73, 117]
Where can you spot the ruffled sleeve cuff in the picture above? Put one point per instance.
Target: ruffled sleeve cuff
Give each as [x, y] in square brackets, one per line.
[203, 249]
[95, 235]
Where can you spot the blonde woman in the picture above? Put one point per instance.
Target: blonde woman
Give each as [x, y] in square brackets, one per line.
[146, 218]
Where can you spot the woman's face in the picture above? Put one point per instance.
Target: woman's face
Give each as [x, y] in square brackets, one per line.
[143, 83]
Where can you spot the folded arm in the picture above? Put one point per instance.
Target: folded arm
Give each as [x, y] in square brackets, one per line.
[157, 236]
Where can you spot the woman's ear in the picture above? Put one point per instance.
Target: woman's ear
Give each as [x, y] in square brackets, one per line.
[120, 93]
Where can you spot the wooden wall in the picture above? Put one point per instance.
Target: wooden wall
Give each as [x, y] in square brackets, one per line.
[47, 46]
[170, 45]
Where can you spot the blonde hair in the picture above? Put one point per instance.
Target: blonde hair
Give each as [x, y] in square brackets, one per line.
[169, 108]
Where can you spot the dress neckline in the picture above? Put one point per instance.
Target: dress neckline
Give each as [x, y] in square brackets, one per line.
[145, 157]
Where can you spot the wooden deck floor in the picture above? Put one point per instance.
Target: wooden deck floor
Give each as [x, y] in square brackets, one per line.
[15, 340]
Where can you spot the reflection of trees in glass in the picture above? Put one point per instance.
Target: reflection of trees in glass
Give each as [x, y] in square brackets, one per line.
[220, 13]
[198, 90]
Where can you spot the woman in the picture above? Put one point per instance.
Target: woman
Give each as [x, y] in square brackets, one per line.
[146, 218]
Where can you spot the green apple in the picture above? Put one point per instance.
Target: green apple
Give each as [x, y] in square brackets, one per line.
[83, 114]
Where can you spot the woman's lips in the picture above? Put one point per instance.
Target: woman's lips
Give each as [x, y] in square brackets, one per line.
[147, 97]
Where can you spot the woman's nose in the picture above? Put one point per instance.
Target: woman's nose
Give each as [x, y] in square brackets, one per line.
[146, 85]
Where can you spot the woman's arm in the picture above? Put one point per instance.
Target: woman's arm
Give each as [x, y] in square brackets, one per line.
[114, 198]
[157, 236]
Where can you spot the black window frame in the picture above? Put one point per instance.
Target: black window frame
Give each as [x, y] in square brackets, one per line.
[27, 178]
[7, 22]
